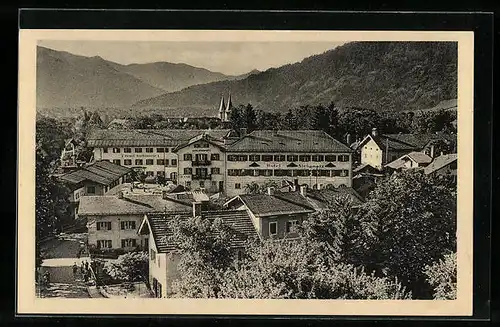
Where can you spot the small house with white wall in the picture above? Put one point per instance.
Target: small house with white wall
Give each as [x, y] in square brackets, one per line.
[163, 253]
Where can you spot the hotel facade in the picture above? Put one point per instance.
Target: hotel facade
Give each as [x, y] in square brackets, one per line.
[149, 150]
[307, 157]
[217, 161]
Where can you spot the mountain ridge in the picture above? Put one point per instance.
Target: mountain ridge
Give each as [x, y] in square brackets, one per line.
[384, 76]
[69, 80]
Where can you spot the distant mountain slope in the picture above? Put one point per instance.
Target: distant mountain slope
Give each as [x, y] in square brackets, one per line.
[67, 80]
[391, 76]
[174, 77]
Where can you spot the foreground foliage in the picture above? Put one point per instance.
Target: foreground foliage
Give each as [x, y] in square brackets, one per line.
[129, 267]
[442, 275]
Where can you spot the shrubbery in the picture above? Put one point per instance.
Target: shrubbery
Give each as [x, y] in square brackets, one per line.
[442, 276]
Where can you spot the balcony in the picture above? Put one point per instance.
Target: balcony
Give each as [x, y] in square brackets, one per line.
[197, 177]
[201, 163]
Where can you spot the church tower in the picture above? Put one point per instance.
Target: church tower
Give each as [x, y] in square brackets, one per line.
[229, 107]
[222, 109]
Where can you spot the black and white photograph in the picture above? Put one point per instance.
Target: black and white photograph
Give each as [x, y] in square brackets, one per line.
[238, 165]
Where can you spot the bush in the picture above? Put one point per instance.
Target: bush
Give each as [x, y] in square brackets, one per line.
[295, 270]
[442, 276]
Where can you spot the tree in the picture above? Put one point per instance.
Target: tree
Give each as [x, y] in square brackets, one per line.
[409, 220]
[336, 230]
[320, 118]
[237, 118]
[51, 135]
[129, 267]
[51, 201]
[358, 121]
[249, 118]
[252, 188]
[285, 269]
[290, 121]
[204, 248]
[442, 276]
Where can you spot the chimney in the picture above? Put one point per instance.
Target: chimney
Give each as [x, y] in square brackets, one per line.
[348, 139]
[270, 191]
[303, 190]
[164, 194]
[196, 209]
[432, 151]
[374, 131]
[120, 195]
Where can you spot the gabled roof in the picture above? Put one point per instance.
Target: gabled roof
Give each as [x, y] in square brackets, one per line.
[365, 168]
[237, 220]
[202, 137]
[320, 199]
[130, 204]
[263, 205]
[418, 157]
[308, 141]
[440, 162]
[147, 137]
[101, 172]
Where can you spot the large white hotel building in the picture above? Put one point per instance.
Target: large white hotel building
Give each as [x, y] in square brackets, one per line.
[219, 161]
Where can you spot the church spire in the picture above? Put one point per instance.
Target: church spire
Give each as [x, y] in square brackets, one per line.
[229, 107]
[222, 108]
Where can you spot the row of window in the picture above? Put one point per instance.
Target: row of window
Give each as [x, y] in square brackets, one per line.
[124, 225]
[125, 243]
[289, 172]
[136, 150]
[202, 184]
[201, 157]
[213, 171]
[149, 162]
[291, 157]
[244, 157]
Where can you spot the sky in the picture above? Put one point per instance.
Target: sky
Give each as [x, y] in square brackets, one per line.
[230, 58]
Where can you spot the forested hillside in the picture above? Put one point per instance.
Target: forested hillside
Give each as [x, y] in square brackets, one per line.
[384, 76]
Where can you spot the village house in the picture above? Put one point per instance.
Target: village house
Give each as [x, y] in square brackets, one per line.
[275, 214]
[201, 163]
[412, 160]
[311, 156]
[113, 220]
[148, 150]
[445, 164]
[163, 253]
[377, 150]
[94, 179]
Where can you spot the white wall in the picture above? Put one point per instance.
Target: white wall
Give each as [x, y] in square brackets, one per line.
[116, 234]
[211, 184]
[372, 155]
[322, 181]
[100, 155]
